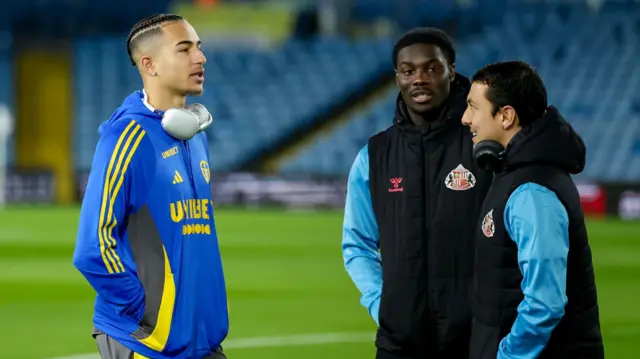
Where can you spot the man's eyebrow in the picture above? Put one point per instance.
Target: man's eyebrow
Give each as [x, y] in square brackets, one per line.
[187, 42]
[419, 63]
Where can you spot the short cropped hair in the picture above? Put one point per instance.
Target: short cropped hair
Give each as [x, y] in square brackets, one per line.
[517, 84]
[426, 35]
[146, 28]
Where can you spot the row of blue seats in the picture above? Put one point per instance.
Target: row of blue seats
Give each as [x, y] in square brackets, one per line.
[257, 97]
[595, 84]
[7, 97]
[468, 13]
[613, 147]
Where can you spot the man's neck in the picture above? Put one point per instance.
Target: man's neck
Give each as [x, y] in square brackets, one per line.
[163, 100]
[509, 135]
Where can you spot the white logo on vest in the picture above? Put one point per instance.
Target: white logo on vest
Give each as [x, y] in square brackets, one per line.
[488, 227]
[460, 179]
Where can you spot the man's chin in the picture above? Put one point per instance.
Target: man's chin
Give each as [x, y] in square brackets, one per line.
[424, 107]
[195, 91]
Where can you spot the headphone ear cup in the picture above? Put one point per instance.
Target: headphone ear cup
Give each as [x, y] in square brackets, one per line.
[204, 117]
[180, 123]
[489, 155]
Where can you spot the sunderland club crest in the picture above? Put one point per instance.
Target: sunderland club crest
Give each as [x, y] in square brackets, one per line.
[460, 179]
[488, 227]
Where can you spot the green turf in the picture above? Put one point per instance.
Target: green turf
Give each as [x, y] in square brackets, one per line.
[284, 275]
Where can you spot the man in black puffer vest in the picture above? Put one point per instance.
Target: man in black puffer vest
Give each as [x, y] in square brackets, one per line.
[413, 199]
[534, 288]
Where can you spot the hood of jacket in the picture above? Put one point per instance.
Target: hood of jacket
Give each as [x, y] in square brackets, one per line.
[550, 140]
[132, 106]
[451, 110]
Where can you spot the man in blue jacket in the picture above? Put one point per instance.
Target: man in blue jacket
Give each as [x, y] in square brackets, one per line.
[147, 239]
[534, 286]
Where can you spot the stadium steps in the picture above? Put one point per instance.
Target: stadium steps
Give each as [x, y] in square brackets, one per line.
[269, 161]
[274, 163]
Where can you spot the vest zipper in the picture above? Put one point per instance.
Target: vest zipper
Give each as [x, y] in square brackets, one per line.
[427, 216]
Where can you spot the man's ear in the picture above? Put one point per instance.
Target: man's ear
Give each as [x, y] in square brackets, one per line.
[147, 65]
[509, 117]
[452, 72]
[397, 79]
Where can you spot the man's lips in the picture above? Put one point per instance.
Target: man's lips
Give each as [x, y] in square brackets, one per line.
[421, 95]
[199, 75]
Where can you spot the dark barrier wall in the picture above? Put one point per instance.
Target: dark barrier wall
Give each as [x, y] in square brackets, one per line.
[255, 190]
[623, 200]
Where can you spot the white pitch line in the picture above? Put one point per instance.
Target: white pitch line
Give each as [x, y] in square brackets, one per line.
[279, 341]
[297, 340]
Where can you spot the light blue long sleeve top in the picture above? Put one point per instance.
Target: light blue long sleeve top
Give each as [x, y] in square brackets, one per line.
[538, 223]
[360, 236]
[534, 218]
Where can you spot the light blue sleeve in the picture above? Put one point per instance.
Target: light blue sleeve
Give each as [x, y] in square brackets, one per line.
[360, 236]
[538, 223]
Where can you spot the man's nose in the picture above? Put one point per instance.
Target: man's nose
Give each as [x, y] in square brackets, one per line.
[466, 119]
[421, 78]
[201, 59]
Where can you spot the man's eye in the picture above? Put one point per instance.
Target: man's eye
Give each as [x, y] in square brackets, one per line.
[408, 72]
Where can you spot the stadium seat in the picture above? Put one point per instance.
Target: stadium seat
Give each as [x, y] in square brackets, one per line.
[7, 95]
[588, 61]
[257, 97]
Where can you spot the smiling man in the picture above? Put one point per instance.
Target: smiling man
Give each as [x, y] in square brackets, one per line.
[534, 288]
[147, 239]
[413, 200]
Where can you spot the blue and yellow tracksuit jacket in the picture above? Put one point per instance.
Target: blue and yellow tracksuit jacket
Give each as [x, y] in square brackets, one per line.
[147, 239]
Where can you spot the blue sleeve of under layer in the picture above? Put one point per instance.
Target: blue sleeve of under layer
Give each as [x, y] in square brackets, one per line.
[538, 223]
[360, 236]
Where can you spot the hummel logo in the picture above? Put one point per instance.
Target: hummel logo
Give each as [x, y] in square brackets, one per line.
[177, 178]
[396, 184]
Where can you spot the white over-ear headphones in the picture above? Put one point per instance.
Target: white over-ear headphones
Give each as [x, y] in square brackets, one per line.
[184, 123]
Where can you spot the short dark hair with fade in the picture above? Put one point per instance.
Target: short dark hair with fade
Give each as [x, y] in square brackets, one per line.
[146, 28]
[426, 35]
[517, 84]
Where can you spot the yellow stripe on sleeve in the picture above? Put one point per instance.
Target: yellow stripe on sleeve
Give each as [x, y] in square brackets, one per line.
[109, 256]
[114, 192]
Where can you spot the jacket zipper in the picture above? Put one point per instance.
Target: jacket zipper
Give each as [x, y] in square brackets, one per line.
[427, 215]
[189, 168]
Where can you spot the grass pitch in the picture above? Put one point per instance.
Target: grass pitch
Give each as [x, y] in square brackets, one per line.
[284, 276]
